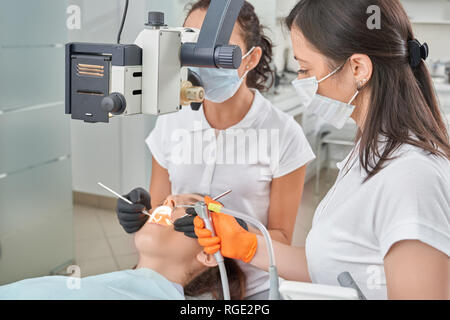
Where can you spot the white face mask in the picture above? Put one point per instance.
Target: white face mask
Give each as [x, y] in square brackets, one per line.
[332, 111]
[221, 84]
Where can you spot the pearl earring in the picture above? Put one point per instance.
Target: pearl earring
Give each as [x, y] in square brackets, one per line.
[361, 83]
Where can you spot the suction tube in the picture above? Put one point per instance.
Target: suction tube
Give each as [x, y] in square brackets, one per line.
[203, 212]
[274, 293]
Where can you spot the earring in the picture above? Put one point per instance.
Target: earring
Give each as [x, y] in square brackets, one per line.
[361, 83]
[248, 67]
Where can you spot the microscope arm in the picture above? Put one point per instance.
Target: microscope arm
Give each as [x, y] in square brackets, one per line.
[212, 48]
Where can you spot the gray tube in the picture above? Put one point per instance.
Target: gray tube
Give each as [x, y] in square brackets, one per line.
[346, 280]
[224, 279]
[274, 293]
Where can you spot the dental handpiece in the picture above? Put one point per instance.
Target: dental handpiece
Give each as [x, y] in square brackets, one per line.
[202, 211]
[193, 206]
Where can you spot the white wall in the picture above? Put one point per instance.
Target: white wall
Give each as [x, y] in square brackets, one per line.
[437, 35]
[113, 153]
[427, 10]
[431, 24]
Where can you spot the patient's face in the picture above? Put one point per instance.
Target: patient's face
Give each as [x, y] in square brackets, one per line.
[163, 240]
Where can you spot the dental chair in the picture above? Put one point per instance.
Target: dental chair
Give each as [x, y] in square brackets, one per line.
[291, 290]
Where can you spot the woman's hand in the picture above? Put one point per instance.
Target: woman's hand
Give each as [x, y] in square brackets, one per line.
[232, 239]
[130, 216]
[186, 224]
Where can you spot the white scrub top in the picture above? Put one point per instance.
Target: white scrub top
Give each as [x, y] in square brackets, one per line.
[357, 223]
[265, 145]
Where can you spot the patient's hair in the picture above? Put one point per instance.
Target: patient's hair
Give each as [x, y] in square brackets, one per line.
[210, 282]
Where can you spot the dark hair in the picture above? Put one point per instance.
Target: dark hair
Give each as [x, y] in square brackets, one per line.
[210, 282]
[403, 102]
[253, 34]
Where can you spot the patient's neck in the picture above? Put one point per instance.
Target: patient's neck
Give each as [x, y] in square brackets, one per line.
[173, 271]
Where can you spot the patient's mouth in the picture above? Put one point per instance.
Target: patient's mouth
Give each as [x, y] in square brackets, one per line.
[162, 216]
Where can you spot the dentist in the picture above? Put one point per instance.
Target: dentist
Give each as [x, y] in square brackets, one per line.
[237, 140]
[387, 218]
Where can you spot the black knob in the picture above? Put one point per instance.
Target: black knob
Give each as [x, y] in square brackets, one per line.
[195, 106]
[228, 57]
[155, 19]
[115, 103]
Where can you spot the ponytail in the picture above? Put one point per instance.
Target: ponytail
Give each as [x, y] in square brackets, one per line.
[262, 76]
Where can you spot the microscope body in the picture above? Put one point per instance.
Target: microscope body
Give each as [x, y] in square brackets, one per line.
[163, 74]
[108, 80]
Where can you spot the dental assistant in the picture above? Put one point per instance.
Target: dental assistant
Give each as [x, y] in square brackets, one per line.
[237, 140]
[386, 220]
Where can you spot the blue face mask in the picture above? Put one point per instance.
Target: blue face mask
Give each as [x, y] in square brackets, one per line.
[220, 84]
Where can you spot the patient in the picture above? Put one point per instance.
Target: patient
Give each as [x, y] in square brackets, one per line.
[170, 266]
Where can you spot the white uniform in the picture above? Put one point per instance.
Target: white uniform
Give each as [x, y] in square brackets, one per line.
[357, 223]
[199, 162]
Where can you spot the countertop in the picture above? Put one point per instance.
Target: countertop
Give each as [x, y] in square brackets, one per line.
[442, 87]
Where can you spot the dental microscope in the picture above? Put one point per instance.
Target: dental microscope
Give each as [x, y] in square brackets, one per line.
[150, 76]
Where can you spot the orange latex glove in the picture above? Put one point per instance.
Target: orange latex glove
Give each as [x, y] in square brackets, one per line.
[232, 240]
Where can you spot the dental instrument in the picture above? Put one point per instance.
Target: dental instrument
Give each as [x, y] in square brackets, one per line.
[125, 199]
[222, 195]
[215, 199]
[191, 206]
[184, 206]
[203, 211]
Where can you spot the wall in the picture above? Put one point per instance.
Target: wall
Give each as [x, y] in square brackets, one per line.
[36, 229]
[113, 153]
[431, 23]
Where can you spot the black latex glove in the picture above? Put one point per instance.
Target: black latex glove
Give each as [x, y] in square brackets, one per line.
[130, 216]
[186, 224]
